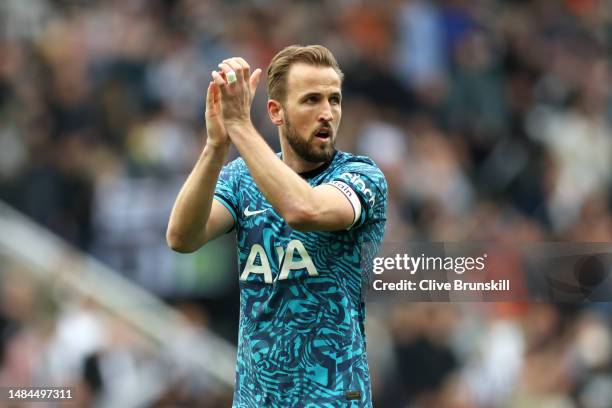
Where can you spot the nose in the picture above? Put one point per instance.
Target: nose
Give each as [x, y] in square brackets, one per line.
[326, 112]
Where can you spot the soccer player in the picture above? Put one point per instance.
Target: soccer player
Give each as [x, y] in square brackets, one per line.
[307, 221]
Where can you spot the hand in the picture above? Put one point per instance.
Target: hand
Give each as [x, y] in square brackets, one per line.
[215, 128]
[236, 97]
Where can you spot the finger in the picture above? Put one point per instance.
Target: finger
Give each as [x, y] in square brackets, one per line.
[246, 68]
[254, 80]
[234, 64]
[236, 67]
[225, 68]
[209, 97]
[218, 79]
[229, 73]
[215, 94]
[219, 82]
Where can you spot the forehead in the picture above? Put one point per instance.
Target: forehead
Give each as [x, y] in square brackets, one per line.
[305, 78]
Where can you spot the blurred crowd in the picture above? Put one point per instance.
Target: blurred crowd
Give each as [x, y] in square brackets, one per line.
[491, 119]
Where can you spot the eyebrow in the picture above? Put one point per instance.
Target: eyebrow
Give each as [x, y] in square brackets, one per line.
[338, 94]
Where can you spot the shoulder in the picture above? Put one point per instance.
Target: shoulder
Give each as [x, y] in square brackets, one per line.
[349, 160]
[237, 164]
[236, 167]
[233, 173]
[361, 166]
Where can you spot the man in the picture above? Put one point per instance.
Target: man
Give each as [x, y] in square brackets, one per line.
[306, 222]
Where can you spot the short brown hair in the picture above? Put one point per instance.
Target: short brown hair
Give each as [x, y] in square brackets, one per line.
[278, 69]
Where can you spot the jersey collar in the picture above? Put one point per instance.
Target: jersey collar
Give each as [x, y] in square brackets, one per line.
[315, 172]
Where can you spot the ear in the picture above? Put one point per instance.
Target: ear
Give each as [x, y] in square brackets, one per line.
[275, 110]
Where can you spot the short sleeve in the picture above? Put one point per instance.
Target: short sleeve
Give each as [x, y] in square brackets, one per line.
[369, 184]
[227, 187]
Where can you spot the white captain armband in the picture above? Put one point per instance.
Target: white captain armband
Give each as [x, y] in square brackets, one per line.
[352, 197]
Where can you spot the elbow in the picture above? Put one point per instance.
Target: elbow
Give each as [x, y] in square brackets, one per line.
[301, 219]
[178, 242]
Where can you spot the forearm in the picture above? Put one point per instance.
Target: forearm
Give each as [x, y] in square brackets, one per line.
[191, 211]
[290, 195]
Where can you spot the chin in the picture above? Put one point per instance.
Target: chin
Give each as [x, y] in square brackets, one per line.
[325, 154]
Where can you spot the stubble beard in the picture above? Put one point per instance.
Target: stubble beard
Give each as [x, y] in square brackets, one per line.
[306, 148]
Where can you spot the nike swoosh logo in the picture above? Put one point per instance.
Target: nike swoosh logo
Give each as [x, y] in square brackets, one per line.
[248, 213]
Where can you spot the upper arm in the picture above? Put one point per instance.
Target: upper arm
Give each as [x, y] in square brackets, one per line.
[219, 222]
[356, 195]
[331, 211]
[224, 208]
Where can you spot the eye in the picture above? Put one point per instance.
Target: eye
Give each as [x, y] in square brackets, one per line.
[335, 100]
[312, 99]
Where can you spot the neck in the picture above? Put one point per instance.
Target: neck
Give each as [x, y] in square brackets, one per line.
[295, 162]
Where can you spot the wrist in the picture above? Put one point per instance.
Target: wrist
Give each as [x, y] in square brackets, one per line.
[217, 147]
[238, 128]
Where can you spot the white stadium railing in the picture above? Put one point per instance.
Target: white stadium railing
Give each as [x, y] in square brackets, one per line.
[198, 352]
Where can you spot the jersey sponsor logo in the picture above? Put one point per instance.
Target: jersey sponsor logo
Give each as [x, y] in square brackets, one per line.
[295, 257]
[248, 213]
[361, 185]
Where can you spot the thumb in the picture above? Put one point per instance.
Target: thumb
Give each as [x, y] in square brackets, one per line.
[254, 80]
[209, 97]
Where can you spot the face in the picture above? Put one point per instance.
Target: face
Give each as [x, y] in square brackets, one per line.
[312, 111]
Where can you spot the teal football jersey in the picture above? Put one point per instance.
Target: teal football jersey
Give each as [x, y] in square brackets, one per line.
[301, 337]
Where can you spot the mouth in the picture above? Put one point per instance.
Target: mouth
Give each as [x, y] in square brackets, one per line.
[323, 133]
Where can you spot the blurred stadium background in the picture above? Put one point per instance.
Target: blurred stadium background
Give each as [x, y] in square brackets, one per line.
[491, 119]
